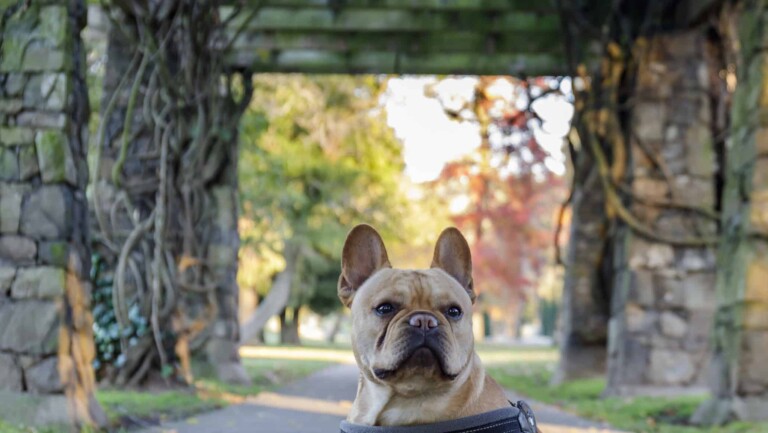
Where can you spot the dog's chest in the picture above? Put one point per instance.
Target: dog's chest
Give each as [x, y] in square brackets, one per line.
[416, 412]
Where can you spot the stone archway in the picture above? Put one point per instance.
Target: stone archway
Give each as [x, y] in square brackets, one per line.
[45, 323]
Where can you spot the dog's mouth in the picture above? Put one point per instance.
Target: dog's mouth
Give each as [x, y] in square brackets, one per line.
[422, 353]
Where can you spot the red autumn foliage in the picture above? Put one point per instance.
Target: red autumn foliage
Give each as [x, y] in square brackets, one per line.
[511, 198]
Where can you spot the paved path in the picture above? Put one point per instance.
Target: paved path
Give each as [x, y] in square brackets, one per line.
[318, 402]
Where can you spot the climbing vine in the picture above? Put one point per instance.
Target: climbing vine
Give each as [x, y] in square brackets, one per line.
[164, 174]
[601, 131]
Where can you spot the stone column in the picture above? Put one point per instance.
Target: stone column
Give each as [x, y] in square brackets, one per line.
[740, 362]
[586, 292]
[200, 234]
[46, 342]
[663, 301]
[221, 348]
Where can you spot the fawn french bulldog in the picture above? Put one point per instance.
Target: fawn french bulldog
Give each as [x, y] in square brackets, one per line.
[412, 335]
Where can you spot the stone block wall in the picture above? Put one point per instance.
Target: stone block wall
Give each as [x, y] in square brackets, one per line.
[663, 303]
[46, 344]
[740, 364]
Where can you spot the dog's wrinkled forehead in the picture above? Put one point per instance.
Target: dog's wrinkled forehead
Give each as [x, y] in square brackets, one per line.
[418, 289]
[365, 264]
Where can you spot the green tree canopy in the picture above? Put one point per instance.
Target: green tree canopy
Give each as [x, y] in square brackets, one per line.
[317, 157]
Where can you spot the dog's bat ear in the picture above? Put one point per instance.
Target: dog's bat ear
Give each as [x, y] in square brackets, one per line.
[364, 254]
[452, 255]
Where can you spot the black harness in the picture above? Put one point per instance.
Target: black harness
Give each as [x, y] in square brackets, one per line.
[526, 419]
[518, 418]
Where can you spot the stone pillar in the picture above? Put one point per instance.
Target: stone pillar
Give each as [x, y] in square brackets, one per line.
[663, 301]
[740, 362]
[221, 348]
[46, 342]
[200, 236]
[586, 292]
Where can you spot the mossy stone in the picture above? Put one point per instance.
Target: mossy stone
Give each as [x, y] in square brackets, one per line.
[47, 213]
[54, 89]
[12, 136]
[45, 59]
[29, 326]
[11, 106]
[54, 253]
[28, 167]
[13, 54]
[54, 25]
[42, 282]
[54, 157]
[9, 164]
[14, 84]
[11, 196]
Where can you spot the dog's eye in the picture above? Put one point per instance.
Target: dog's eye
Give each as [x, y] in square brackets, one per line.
[384, 309]
[453, 312]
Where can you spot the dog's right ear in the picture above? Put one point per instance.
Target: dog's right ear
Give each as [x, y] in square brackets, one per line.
[364, 254]
[452, 254]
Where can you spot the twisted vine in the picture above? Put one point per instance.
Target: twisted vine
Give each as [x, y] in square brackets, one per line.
[167, 138]
[598, 134]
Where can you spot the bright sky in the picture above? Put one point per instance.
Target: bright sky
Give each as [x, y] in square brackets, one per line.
[430, 138]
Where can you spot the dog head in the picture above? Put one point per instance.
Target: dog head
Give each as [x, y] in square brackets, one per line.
[411, 329]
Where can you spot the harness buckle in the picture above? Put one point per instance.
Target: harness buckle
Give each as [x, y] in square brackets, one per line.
[526, 418]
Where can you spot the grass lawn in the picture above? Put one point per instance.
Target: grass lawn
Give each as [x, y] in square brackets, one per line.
[8, 428]
[128, 409]
[526, 370]
[136, 408]
[530, 378]
[266, 374]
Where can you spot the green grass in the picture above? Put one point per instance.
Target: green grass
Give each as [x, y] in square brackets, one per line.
[582, 397]
[9, 428]
[266, 374]
[6, 427]
[126, 407]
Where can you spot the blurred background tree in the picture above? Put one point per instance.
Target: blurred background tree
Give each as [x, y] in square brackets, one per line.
[316, 158]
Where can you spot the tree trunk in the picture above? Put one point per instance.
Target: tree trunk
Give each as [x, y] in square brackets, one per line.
[519, 322]
[277, 298]
[487, 325]
[289, 326]
[283, 324]
[740, 385]
[259, 338]
[330, 338]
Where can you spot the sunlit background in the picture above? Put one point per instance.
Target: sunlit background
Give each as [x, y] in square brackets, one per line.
[482, 153]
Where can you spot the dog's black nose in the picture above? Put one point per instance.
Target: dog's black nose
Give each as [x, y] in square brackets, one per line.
[424, 321]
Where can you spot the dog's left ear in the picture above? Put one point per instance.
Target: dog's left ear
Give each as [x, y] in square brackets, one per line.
[452, 255]
[364, 254]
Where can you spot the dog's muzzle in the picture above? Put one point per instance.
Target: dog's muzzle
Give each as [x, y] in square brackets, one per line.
[416, 340]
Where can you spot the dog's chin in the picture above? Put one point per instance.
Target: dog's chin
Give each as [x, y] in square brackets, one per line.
[422, 357]
[423, 361]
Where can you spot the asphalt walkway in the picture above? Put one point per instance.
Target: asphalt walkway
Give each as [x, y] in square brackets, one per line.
[318, 402]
